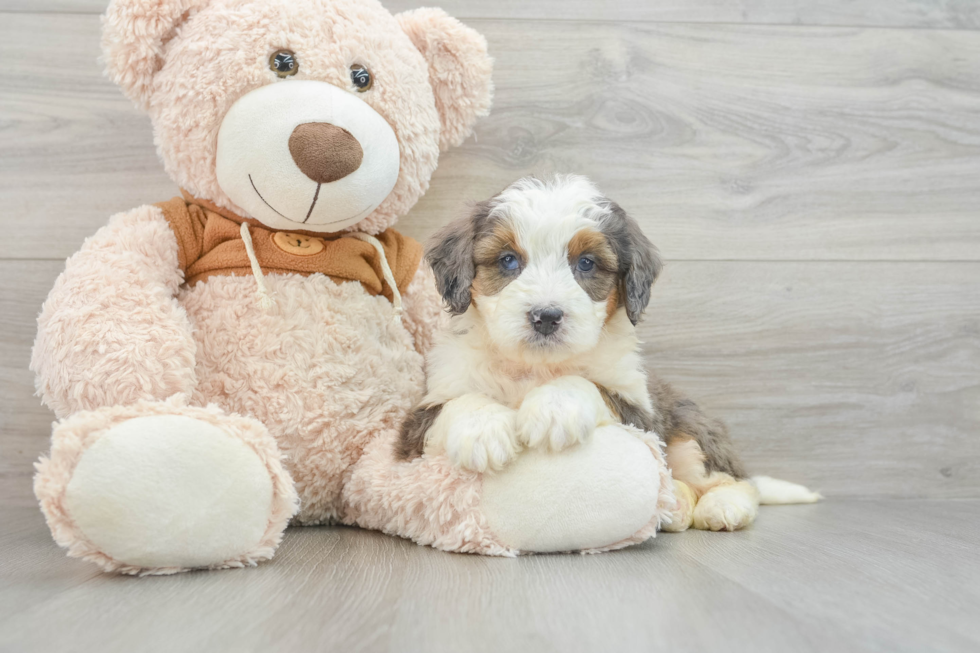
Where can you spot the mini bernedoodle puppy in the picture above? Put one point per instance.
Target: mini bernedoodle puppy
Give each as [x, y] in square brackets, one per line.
[546, 282]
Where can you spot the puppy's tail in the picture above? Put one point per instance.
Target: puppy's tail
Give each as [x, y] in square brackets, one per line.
[773, 491]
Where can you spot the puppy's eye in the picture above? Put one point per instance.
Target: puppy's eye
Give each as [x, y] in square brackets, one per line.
[585, 264]
[283, 63]
[361, 78]
[509, 262]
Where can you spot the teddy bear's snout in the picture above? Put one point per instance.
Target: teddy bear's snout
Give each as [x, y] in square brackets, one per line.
[325, 152]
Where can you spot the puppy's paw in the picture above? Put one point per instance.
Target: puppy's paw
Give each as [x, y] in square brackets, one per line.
[683, 514]
[727, 507]
[561, 413]
[483, 439]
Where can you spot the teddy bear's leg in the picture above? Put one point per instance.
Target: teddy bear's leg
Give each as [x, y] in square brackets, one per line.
[428, 500]
[607, 492]
[161, 487]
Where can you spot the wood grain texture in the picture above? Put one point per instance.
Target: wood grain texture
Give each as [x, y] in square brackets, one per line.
[25, 424]
[729, 142]
[858, 379]
[839, 375]
[844, 576]
[951, 14]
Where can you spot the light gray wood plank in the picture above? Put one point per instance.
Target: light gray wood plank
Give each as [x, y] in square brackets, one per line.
[74, 151]
[956, 14]
[25, 424]
[33, 568]
[729, 142]
[855, 378]
[745, 143]
[864, 568]
[834, 576]
[858, 379]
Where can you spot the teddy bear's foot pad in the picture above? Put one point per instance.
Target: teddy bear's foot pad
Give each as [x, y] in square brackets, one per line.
[161, 493]
[590, 496]
[170, 491]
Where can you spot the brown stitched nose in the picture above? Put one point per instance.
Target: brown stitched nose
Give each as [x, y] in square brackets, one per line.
[325, 152]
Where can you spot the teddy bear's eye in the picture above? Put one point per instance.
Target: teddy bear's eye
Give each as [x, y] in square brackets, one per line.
[361, 78]
[283, 63]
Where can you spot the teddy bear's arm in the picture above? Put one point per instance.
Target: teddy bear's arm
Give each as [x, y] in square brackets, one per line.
[424, 313]
[111, 331]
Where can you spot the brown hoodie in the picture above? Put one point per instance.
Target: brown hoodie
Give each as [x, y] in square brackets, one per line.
[210, 243]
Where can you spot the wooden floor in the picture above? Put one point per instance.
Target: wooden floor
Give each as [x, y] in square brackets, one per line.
[886, 576]
[811, 172]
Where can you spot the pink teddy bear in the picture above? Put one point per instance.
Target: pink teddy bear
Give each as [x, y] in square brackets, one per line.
[243, 356]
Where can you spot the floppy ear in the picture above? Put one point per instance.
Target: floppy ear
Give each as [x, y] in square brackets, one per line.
[134, 33]
[639, 261]
[450, 255]
[460, 69]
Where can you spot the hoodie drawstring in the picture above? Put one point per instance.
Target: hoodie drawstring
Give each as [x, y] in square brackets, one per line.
[396, 296]
[265, 299]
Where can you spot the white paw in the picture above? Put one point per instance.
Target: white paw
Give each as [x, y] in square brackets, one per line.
[560, 413]
[683, 513]
[482, 439]
[727, 507]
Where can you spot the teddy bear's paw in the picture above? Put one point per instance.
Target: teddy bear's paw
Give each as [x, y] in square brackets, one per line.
[727, 507]
[561, 413]
[158, 493]
[682, 515]
[483, 439]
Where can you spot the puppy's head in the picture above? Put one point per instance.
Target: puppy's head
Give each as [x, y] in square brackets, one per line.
[545, 265]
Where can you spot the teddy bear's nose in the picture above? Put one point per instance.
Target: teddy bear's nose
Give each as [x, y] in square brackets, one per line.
[325, 152]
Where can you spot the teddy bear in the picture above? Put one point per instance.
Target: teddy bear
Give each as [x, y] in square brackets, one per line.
[241, 357]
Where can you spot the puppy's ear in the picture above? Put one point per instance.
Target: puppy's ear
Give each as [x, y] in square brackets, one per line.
[639, 260]
[450, 255]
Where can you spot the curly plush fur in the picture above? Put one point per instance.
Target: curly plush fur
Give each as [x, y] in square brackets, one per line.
[432, 76]
[329, 367]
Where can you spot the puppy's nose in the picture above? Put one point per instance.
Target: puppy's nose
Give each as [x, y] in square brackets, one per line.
[325, 152]
[545, 320]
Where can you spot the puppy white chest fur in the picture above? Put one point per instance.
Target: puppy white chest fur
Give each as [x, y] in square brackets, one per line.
[465, 360]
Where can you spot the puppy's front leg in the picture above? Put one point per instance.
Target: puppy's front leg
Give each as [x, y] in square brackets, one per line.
[475, 432]
[560, 413]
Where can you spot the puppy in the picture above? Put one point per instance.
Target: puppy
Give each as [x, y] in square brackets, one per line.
[546, 282]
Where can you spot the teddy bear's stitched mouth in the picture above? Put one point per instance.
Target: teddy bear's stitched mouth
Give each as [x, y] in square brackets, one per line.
[269, 205]
[316, 196]
[308, 213]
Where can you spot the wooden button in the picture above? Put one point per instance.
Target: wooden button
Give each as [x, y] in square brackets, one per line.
[297, 244]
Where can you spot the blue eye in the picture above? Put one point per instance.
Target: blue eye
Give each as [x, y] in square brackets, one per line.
[509, 262]
[585, 264]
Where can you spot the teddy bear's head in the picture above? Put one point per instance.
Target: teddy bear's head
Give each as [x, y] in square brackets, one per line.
[313, 115]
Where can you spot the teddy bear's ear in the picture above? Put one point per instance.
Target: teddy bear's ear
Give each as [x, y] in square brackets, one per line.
[460, 69]
[134, 33]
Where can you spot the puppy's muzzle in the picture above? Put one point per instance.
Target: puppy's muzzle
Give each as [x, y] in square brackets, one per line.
[545, 320]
